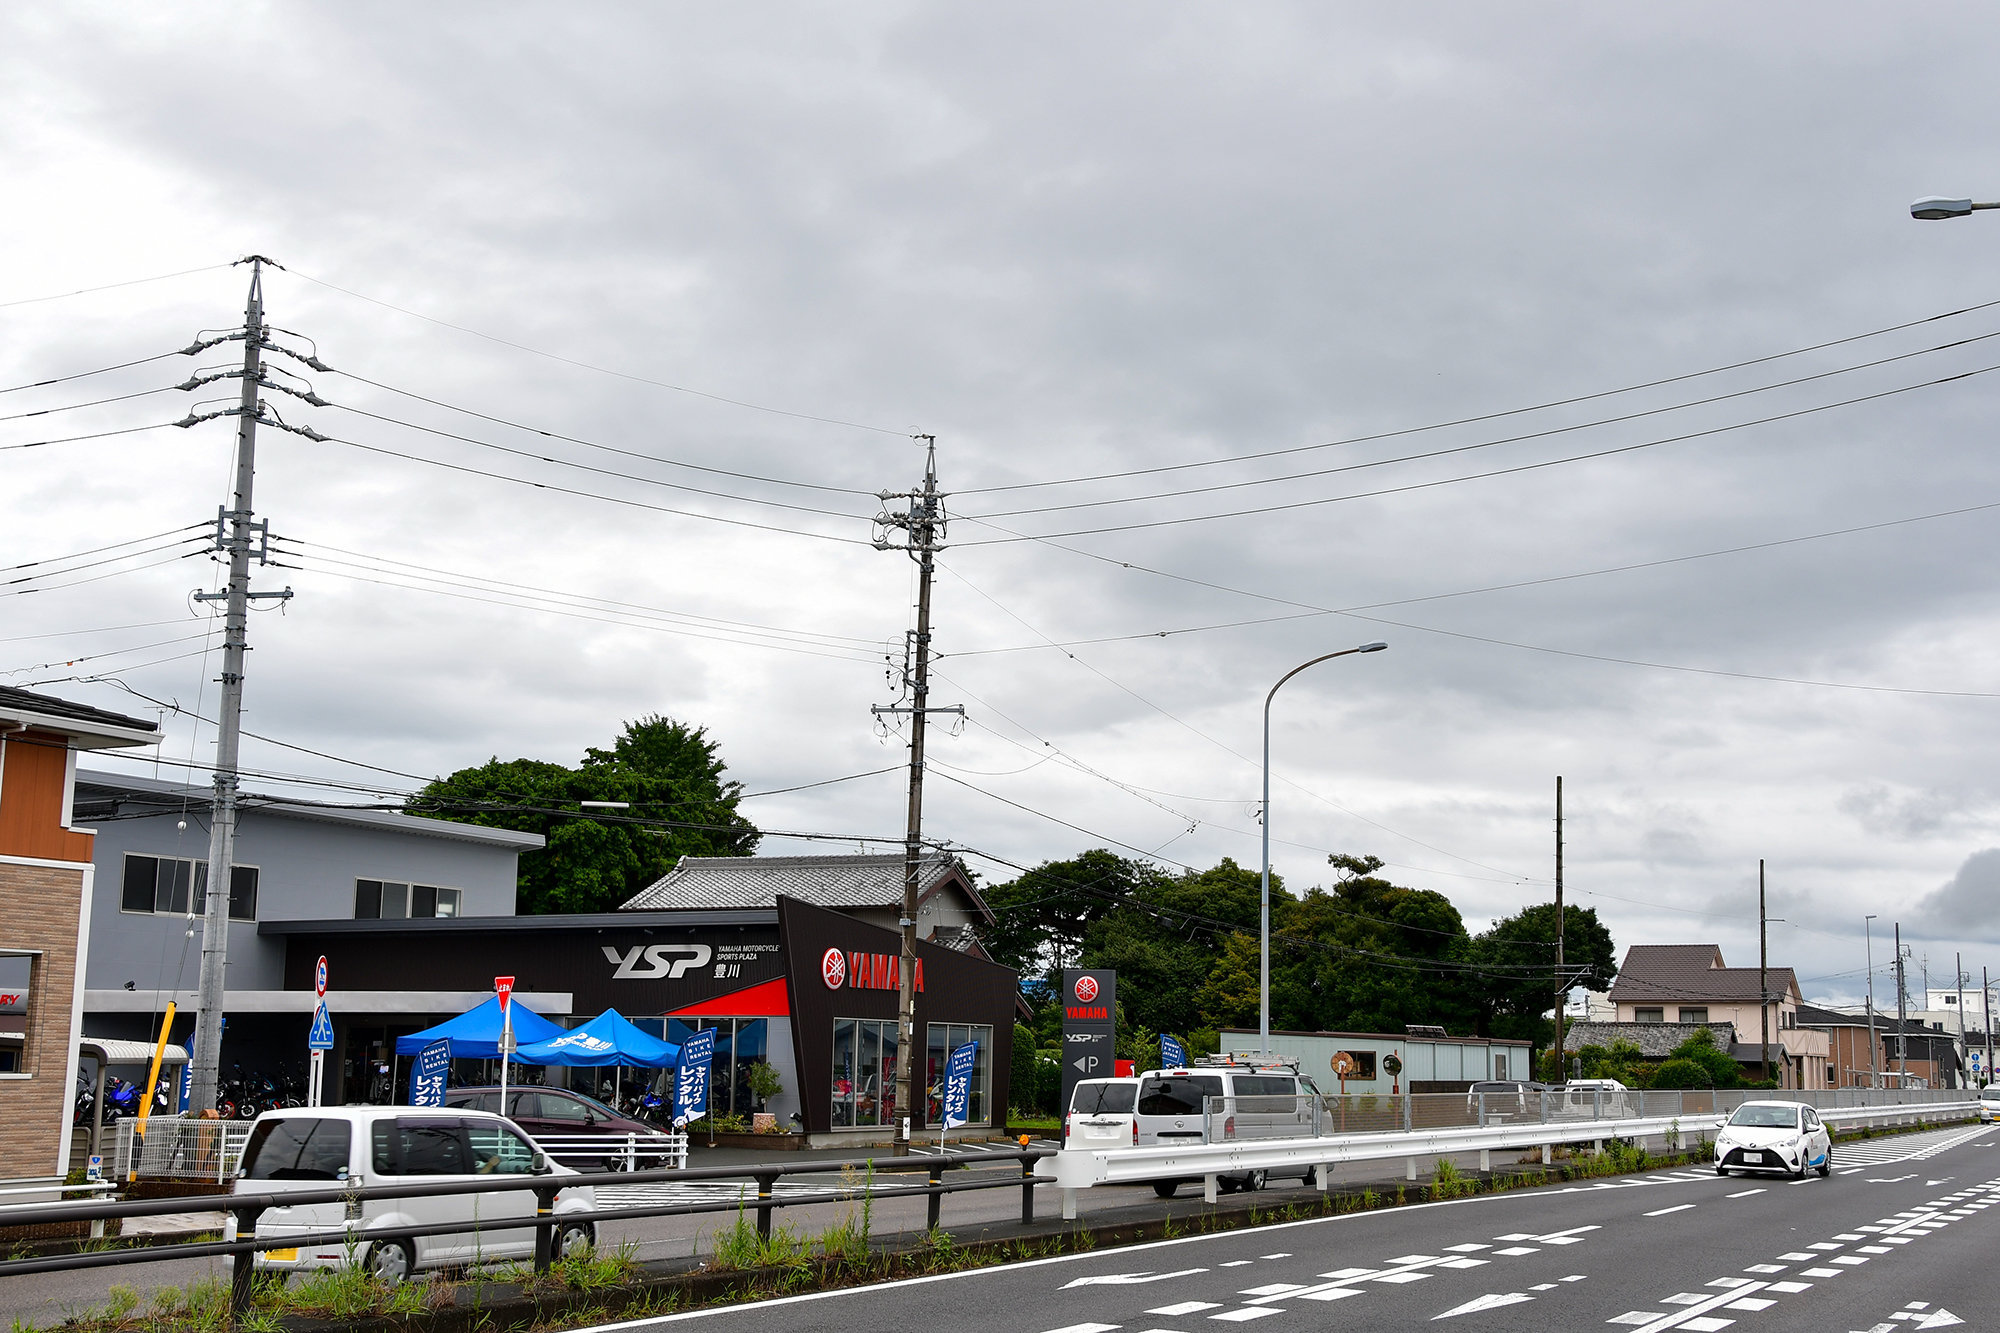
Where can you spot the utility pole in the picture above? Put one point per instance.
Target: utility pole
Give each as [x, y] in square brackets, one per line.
[1763, 985]
[1874, 1047]
[1958, 971]
[1986, 1018]
[1562, 977]
[1902, 1016]
[923, 526]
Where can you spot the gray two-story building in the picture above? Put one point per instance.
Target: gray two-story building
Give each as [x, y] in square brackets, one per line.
[295, 860]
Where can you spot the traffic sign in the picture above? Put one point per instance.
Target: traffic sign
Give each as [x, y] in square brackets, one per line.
[319, 978]
[505, 987]
[321, 1036]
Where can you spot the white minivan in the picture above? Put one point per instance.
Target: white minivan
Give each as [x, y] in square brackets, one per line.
[1262, 1102]
[312, 1148]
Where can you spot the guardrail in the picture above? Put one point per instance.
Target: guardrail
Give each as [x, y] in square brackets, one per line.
[1078, 1168]
[246, 1208]
[1261, 1116]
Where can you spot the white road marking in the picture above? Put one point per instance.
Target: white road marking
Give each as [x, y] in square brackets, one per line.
[1239, 1263]
[1514, 1251]
[1492, 1302]
[1185, 1307]
[1692, 1317]
[1246, 1314]
[1471, 1247]
[1768, 1268]
[1128, 1279]
[1085, 1328]
[1283, 1254]
[1823, 1272]
[1677, 1208]
[1744, 1194]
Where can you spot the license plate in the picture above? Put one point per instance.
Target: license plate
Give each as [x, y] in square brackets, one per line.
[1753, 1157]
[283, 1256]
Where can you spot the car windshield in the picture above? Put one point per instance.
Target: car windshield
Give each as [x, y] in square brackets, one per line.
[1990, 1093]
[1766, 1117]
[1179, 1094]
[1104, 1098]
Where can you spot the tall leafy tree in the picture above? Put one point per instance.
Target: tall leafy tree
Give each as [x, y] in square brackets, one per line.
[1518, 983]
[681, 804]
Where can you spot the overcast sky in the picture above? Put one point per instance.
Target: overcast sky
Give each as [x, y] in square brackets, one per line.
[1069, 242]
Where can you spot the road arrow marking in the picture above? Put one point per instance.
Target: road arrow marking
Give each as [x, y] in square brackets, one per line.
[1493, 1302]
[1938, 1319]
[1130, 1279]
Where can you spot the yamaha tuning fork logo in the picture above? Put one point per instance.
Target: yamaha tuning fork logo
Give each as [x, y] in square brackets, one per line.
[833, 969]
[1086, 989]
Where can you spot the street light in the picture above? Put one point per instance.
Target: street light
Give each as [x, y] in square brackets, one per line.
[1932, 208]
[1264, 956]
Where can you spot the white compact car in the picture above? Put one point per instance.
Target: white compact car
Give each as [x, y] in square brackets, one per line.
[314, 1148]
[1989, 1104]
[1774, 1136]
[1101, 1114]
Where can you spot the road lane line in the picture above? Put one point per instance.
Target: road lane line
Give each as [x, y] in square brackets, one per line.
[1744, 1194]
[1677, 1208]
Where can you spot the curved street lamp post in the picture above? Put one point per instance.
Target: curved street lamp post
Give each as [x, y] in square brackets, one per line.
[1264, 954]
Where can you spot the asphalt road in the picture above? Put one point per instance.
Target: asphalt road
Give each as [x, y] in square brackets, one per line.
[1896, 1239]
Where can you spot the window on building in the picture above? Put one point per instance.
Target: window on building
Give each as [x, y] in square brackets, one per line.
[1649, 1015]
[20, 987]
[864, 1071]
[740, 1044]
[1694, 1013]
[944, 1038]
[388, 899]
[177, 886]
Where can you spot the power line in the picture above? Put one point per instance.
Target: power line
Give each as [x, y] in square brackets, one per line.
[603, 370]
[112, 286]
[86, 374]
[1066, 644]
[97, 578]
[95, 402]
[592, 444]
[1536, 466]
[99, 550]
[94, 435]
[1490, 416]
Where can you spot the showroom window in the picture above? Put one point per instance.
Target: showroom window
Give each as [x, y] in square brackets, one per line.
[944, 1039]
[739, 1044]
[864, 1072]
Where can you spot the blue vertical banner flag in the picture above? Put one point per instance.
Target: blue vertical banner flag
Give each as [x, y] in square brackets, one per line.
[958, 1085]
[187, 1077]
[691, 1078]
[427, 1077]
[1173, 1055]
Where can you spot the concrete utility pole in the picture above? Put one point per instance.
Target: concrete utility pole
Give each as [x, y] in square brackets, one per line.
[1986, 1018]
[1763, 985]
[222, 827]
[1562, 977]
[924, 527]
[1958, 966]
[1874, 1047]
[1902, 1015]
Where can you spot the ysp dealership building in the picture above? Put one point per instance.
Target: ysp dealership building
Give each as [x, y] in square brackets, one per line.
[809, 987]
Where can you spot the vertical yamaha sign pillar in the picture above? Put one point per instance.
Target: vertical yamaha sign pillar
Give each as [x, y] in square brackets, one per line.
[1090, 1021]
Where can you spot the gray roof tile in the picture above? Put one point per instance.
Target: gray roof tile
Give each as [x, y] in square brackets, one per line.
[1690, 974]
[824, 881]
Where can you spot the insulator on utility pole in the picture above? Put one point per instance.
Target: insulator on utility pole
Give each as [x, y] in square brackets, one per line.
[923, 529]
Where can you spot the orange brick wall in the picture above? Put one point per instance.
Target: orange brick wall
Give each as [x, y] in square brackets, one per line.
[43, 908]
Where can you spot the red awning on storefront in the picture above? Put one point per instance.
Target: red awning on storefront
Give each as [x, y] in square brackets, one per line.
[767, 999]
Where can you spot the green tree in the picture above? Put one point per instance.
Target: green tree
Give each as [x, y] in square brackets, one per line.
[1517, 968]
[1718, 1067]
[680, 805]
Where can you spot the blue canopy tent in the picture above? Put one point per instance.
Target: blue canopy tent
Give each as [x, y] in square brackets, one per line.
[608, 1039]
[475, 1034]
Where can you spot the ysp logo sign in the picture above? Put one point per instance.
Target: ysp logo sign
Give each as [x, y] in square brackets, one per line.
[1086, 989]
[833, 969]
[672, 961]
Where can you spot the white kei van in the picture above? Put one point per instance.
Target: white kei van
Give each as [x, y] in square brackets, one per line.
[1269, 1102]
[313, 1148]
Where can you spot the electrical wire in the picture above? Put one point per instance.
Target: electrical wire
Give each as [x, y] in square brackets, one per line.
[97, 578]
[113, 286]
[99, 550]
[1536, 466]
[95, 402]
[602, 370]
[592, 444]
[94, 435]
[1491, 416]
[86, 374]
[102, 629]
[604, 472]
[109, 652]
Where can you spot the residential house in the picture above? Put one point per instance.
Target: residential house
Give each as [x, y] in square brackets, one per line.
[1690, 984]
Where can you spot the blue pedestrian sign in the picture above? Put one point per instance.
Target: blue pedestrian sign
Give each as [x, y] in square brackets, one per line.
[321, 1036]
[691, 1079]
[958, 1085]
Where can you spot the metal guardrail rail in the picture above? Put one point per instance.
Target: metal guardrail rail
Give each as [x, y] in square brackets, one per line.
[247, 1208]
[1236, 1153]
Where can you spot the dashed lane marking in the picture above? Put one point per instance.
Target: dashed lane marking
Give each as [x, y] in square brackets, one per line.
[1744, 1194]
[1677, 1208]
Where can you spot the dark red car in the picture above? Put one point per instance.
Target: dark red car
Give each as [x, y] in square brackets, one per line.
[565, 1123]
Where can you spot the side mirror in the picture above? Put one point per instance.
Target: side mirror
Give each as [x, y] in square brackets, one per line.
[539, 1164]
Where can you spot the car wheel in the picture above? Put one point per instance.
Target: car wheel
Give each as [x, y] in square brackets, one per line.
[574, 1238]
[1254, 1181]
[1826, 1162]
[390, 1262]
[1165, 1188]
[1721, 1170]
[1799, 1172]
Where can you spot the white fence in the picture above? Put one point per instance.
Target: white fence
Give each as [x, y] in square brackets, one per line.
[1242, 1141]
[617, 1152]
[179, 1149]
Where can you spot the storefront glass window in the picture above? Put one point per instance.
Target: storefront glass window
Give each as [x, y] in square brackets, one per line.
[739, 1043]
[864, 1071]
[944, 1038]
